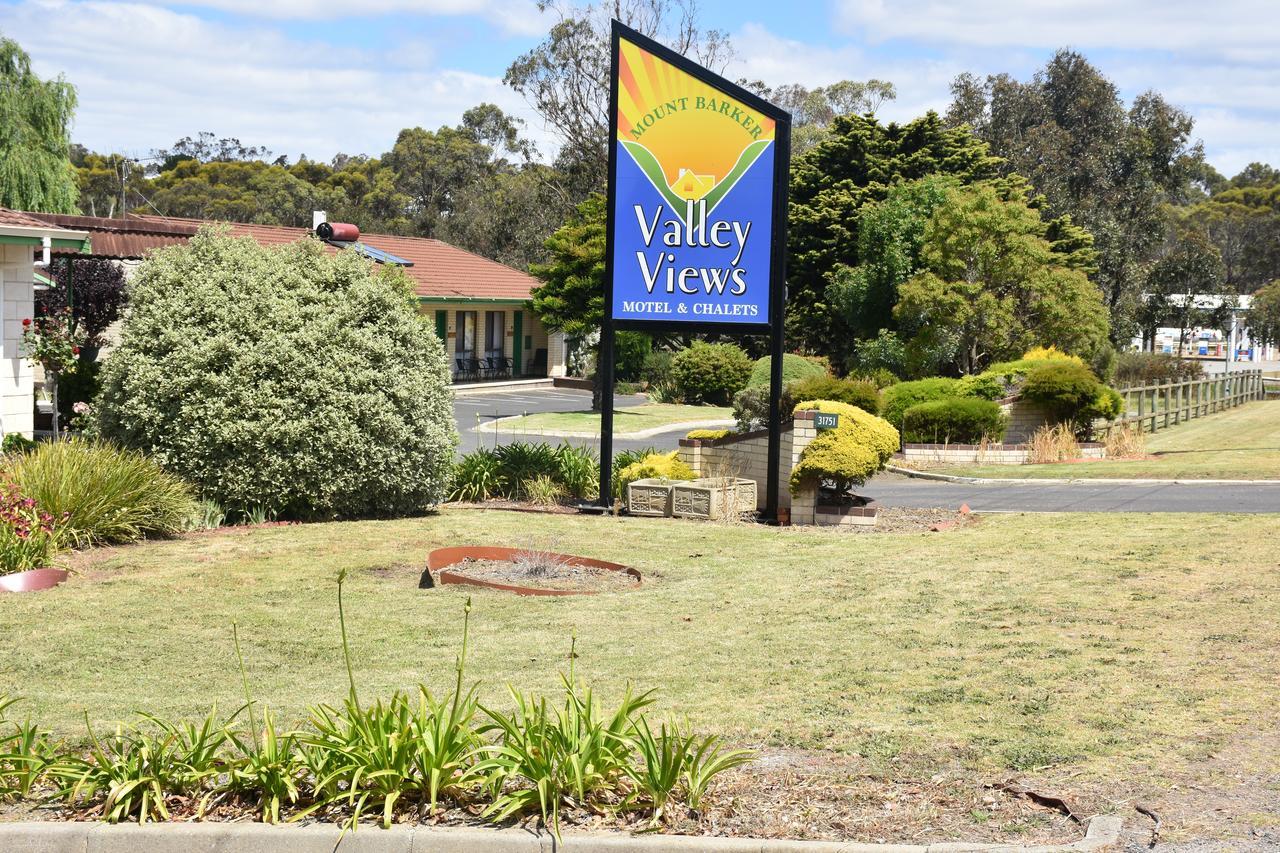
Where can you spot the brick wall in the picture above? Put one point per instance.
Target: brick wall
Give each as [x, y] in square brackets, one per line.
[747, 456]
[1025, 417]
[990, 454]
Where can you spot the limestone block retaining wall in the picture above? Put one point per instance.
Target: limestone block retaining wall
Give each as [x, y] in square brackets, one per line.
[746, 455]
[983, 454]
[1025, 417]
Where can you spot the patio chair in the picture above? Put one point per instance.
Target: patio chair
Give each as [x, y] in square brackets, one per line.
[476, 368]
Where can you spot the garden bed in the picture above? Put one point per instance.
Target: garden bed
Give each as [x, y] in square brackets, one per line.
[529, 571]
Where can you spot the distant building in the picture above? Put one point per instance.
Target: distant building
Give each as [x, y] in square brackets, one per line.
[479, 306]
[1207, 342]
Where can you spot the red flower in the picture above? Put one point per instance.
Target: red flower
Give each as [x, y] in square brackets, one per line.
[75, 350]
[26, 322]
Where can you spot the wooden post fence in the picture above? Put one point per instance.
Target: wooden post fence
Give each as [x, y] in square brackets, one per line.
[1162, 405]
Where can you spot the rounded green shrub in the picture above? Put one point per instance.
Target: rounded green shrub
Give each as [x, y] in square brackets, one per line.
[958, 420]
[854, 392]
[710, 373]
[99, 494]
[847, 455]
[286, 377]
[896, 399]
[983, 386]
[1065, 388]
[793, 367]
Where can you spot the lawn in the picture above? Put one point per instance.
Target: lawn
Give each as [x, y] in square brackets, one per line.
[630, 419]
[1240, 444]
[1090, 643]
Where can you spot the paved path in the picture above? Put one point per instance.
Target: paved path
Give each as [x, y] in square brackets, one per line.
[1030, 496]
[504, 404]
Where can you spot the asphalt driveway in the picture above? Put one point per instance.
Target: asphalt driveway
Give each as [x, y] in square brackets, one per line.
[1030, 496]
[470, 410]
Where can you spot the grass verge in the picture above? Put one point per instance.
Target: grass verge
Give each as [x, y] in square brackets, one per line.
[1089, 641]
[1240, 444]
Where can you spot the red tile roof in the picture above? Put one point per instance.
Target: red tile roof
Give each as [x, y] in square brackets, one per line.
[20, 219]
[438, 270]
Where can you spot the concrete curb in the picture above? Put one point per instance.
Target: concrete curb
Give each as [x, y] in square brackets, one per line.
[56, 837]
[1058, 481]
[469, 388]
[682, 426]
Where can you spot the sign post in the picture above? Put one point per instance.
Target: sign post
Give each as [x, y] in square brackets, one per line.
[697, 210]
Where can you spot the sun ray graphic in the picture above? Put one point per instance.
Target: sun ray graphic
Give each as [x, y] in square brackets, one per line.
[690, 139]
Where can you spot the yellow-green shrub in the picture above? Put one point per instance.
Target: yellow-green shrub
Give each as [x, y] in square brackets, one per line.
[655, 466]
[848, 454]
[709, 434]
[1050, 353]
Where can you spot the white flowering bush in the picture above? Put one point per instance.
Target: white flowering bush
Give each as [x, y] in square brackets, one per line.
[282, 378]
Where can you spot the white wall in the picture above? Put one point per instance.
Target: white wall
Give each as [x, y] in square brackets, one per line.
[17, 301]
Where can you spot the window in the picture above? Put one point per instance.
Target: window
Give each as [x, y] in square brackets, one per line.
[465, 337]
[494, 332]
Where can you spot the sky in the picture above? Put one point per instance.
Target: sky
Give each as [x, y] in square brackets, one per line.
[317, 78]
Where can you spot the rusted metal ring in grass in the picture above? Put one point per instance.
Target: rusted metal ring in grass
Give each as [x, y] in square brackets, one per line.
[32, 580]
[440, 559]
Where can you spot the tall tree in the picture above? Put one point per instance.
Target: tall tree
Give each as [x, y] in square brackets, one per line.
[1185, 289]
[993, 287]
[813, 110]
[1110, 168]
[566, 76]
[1264, 315]
[35, 165]
[571, 296]
[858, 163]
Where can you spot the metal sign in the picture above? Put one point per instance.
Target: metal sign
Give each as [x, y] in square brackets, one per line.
[825, 420]
[695, 175]
[697, 208]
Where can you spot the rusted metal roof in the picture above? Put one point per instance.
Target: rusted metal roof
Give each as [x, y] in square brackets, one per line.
[123, 239]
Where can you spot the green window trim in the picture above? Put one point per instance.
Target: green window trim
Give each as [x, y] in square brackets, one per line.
[442, 326]
[517, 339]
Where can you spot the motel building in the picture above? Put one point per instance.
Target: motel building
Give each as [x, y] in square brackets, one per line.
[479, 307]
[27, 244]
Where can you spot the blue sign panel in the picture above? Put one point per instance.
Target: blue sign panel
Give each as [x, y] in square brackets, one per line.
[692, 195]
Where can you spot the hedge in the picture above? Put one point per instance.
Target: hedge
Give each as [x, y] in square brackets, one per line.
[793, 367]
[954, 420]
[854, 392]
[710, 373]
[896, 399]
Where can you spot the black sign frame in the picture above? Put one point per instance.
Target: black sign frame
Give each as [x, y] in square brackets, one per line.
[777, 264]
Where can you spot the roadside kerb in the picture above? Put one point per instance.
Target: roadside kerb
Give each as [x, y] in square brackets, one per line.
[1059, 481]
[61, 837]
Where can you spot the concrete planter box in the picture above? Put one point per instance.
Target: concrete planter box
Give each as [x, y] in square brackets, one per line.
[848, 516]
[707, 498]
[649, 497]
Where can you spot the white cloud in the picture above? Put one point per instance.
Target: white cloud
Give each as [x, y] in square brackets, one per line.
[1250, 27]
[1202, 58]
[512, 16]
[148, 76]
